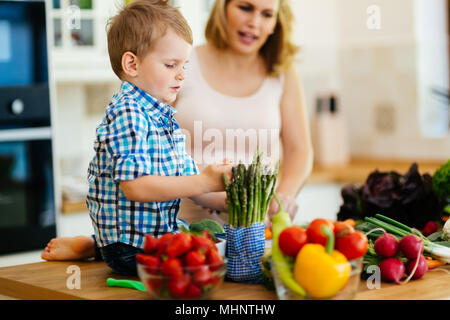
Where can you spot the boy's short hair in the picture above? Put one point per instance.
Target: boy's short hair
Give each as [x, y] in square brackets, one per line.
[139, 25]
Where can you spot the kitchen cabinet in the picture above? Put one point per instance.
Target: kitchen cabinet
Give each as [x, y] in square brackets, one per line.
[78, 39]
[78, 36]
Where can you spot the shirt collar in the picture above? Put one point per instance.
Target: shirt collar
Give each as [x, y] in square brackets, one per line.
[157, 108]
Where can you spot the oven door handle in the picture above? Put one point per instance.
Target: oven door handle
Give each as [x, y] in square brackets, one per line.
[44, 133]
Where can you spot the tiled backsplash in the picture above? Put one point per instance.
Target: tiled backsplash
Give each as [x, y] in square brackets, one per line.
[373, 79]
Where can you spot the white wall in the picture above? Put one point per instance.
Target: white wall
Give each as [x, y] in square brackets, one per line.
[433, 65]
[374, 69]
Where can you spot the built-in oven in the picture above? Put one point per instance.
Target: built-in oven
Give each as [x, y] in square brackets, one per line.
[27, 197]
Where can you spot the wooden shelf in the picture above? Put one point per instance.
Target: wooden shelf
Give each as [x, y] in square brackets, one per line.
[72, 207]
[358, 169]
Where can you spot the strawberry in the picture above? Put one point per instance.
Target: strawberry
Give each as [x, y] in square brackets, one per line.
[206, 234]
[154, 284]
[172, 267]
[178, 286]
[192, 292]
[163, 243]
[195, 259]
[179, 244]
[151, 263]
[202, 276]
[150, 244]
[215, 281]
[202, 244]
[214, 260]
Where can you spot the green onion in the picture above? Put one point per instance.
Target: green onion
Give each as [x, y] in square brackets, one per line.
[440, 252]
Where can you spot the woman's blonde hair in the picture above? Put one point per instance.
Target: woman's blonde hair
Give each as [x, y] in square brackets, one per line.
[278, 52]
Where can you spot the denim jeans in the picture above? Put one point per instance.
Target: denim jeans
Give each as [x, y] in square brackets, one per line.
[120, 257]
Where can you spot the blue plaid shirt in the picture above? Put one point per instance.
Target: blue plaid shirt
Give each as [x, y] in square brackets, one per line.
[138, 136]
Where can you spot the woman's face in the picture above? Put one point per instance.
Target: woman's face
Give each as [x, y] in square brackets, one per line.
[250, 23]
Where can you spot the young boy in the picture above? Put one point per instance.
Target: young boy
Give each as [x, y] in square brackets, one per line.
[141, 169]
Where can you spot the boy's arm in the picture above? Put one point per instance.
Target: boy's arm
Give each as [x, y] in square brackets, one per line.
[149, 188]
[162, 188]
[213, 200]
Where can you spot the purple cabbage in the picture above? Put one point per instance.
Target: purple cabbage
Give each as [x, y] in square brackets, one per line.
[407, 198]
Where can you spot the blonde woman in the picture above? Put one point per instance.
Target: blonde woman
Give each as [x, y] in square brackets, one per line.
[242, 85]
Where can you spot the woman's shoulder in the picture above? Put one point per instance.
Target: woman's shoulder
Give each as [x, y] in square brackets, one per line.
[289, 77]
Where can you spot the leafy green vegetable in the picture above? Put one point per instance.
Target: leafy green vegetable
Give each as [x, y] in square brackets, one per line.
[370, 258]
[210, 225]
[441, 181]
[267, 277]
[407, 198]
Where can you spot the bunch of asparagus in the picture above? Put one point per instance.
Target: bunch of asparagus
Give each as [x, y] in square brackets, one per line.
[249, 192]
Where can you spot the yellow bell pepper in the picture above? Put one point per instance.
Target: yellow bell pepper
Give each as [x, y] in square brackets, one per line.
[322, 272]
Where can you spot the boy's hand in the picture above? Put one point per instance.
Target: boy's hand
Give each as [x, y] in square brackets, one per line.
[213, 176]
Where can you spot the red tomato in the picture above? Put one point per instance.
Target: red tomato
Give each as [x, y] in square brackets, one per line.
[192, 292]
[215, 260]
[172, 267]
[202, 276]
[314, 231]
[291, 240]
[178, 286]
[179, 244]
[195, 259]
[342, 229]
[151, 244]
[163, 243]
[352, 246]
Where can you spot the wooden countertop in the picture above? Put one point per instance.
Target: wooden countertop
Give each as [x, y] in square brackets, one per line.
[47, 281]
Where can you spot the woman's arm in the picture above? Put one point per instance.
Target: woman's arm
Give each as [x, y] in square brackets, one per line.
[213, 200]
[295, 138]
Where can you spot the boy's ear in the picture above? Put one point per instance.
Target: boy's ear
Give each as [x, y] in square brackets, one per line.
[129, 64]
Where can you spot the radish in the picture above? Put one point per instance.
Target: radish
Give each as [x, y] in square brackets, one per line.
[430, 227]
[411, 246]
[422, 267]
[392, 269]
[386, 245]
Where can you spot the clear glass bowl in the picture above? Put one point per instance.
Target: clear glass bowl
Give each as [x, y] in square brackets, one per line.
[347, 293]
[160, 286]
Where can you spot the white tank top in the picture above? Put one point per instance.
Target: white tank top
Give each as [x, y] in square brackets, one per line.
[218, 126]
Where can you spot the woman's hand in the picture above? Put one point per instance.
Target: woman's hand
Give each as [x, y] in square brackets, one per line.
[289, 205]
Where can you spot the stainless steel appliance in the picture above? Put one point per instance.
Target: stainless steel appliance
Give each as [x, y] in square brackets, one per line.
[27, 200]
